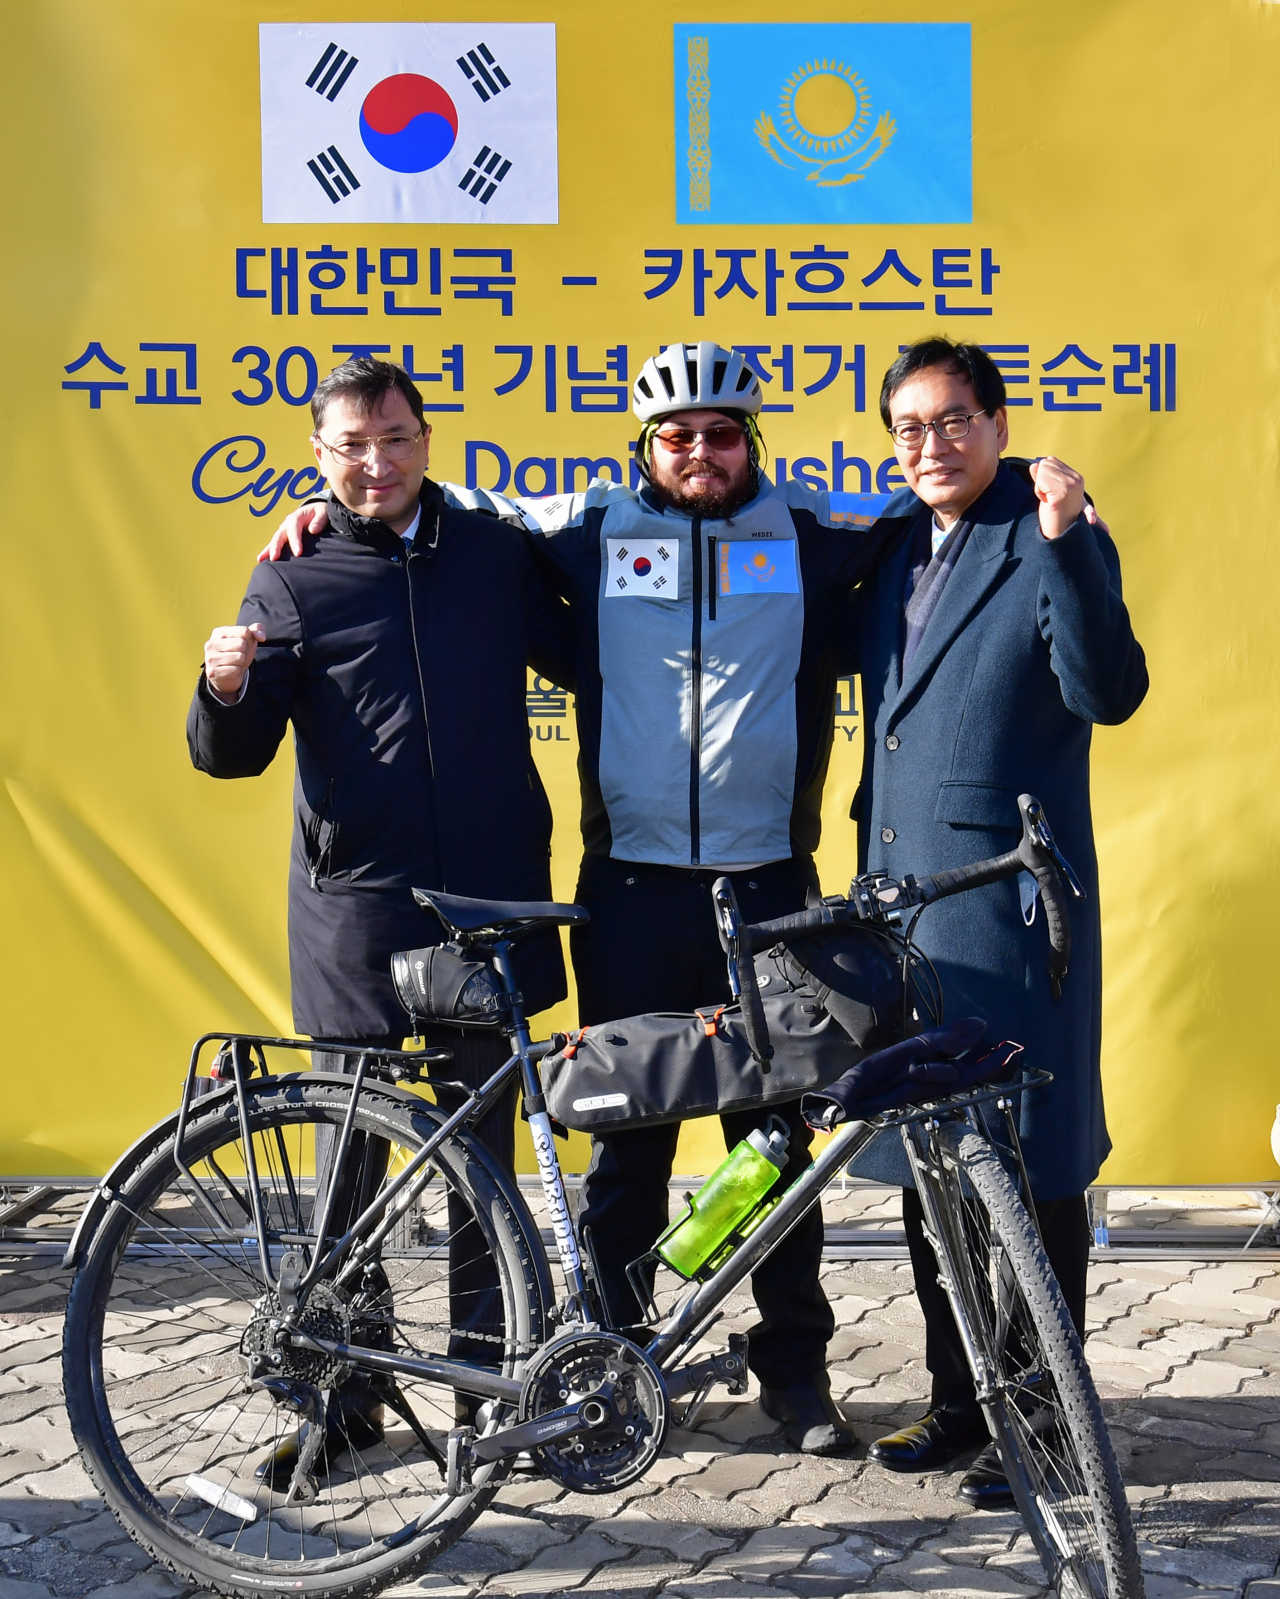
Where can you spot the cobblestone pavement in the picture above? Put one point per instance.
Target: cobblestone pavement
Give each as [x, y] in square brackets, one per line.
[1186, 1355]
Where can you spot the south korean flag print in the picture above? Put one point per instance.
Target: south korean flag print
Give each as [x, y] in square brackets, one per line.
[409, 122]
[642, 567]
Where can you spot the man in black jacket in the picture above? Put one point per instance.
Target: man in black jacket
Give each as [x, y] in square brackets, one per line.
[398, 651]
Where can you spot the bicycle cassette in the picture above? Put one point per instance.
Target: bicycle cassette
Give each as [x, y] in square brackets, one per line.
[603, 1365]
[266, 1353]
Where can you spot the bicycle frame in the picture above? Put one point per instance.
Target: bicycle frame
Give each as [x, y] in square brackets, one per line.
[870, 899]
[673, 1337]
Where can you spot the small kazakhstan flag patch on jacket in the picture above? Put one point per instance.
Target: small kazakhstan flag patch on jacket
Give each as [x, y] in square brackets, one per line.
[748, 566]
[835, 122]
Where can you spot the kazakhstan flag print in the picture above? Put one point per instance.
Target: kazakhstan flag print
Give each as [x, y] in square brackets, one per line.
[823, 122]
[750, 568]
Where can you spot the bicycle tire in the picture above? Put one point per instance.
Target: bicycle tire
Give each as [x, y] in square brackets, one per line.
[155, 1381]
[1043, 1409]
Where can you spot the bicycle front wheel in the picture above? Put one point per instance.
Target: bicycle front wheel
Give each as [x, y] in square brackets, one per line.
[1040, 1401]
[168, 1316]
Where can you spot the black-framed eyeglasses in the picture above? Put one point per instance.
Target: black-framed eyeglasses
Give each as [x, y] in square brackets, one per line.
[911, 434]
[395, 446]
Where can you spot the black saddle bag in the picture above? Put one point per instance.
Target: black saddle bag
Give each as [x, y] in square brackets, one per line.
[645, 1070]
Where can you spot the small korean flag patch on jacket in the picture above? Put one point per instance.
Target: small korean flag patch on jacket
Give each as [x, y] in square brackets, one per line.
[646, 567]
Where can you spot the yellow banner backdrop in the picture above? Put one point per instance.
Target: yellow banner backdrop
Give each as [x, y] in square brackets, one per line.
[1119, 254]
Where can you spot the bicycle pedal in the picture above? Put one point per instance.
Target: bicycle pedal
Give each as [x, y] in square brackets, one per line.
[457, 1471]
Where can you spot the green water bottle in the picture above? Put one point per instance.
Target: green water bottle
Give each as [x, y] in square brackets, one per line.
[725, 1201]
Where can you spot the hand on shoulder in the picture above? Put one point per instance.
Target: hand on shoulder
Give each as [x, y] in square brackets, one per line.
[295, 527]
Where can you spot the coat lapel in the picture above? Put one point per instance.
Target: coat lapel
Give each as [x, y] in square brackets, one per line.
[996, 515]
[891, 583]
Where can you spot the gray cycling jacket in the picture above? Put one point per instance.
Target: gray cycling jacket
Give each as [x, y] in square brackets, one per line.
[707, 657]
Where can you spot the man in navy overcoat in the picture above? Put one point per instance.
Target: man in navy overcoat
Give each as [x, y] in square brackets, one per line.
[989, 645]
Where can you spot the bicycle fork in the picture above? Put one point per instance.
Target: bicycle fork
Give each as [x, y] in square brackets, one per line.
[926, 1168]
[957, 1278]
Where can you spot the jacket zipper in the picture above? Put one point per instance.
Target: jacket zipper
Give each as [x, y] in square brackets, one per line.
[712, 585]
[426, 720]
[695, 719]
[320, 858]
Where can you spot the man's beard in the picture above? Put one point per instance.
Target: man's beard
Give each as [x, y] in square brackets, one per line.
[718, 500]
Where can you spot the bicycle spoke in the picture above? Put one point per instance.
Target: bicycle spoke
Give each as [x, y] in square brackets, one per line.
[179, 1316]
[1040, 1400]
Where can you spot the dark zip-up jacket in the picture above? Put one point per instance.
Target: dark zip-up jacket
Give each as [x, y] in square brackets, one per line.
[404, 678]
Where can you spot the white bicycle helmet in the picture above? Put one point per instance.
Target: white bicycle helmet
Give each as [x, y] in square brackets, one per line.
[695, 377]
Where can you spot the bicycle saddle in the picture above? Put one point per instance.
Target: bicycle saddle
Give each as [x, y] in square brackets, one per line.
[504, 915]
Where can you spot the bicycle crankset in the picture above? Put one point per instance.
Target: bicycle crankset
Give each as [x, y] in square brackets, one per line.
[266, 1353]
[602, 1366]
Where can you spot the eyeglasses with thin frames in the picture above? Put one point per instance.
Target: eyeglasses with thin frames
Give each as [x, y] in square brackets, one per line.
[911, 434]
[351, 452]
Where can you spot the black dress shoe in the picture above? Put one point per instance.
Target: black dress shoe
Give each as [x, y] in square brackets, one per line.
[811, 1422]
[984, 1485]
[346, 1427]
[932, 1442]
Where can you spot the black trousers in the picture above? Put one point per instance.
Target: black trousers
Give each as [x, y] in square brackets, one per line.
[475, 1296]
[1064, 1230]
[652, 945]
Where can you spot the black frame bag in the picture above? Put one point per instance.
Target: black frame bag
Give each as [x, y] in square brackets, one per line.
[646, 1070]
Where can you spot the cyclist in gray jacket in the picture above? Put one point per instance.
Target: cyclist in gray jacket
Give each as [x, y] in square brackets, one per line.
[708, 610]
[709, 613]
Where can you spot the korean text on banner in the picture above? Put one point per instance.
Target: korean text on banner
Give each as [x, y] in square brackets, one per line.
[231, 200]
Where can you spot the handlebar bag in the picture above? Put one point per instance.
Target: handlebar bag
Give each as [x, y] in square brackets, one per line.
[645, 1070]
[855, 974]
[828, 1001]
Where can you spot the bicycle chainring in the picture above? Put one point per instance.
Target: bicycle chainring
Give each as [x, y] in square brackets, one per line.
[583, 1365]
[326, 1315]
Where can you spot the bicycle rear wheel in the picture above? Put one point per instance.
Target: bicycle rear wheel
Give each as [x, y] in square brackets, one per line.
[1037, 1392]
[169, 1308]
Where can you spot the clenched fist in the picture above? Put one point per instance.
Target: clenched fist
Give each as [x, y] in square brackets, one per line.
[228, 655]
[1060, 490]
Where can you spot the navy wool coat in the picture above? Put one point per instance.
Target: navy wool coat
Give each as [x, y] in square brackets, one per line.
[1029, 646]
[404, 680]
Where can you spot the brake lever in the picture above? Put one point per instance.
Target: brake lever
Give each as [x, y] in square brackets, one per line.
[742, 977]
[730, 929]
[1044, 837]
